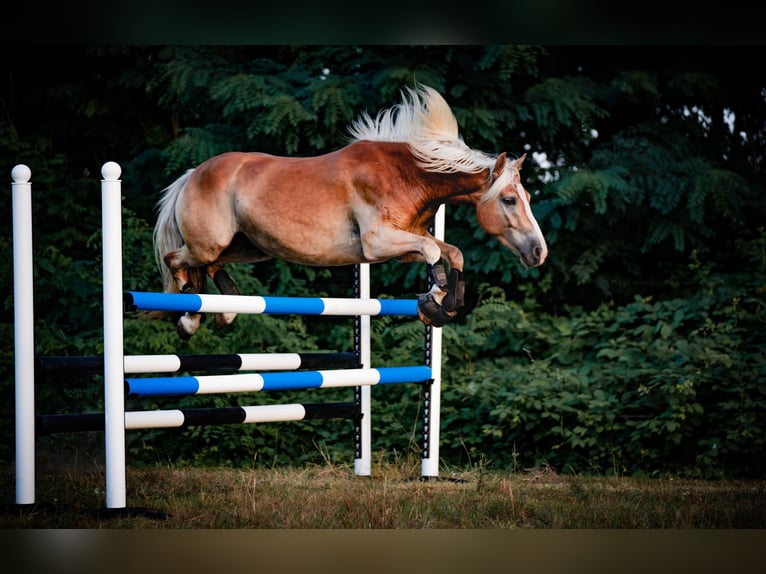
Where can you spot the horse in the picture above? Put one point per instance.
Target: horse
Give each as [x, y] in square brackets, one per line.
[371, 201]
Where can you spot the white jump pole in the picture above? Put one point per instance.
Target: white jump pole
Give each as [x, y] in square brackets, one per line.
[430, 464]
[24, 338]
[114, 392]
[363, 465]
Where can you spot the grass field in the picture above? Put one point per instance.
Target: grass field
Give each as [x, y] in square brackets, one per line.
[331, 497]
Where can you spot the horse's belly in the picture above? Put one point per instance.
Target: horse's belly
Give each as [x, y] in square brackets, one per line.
[311, 248]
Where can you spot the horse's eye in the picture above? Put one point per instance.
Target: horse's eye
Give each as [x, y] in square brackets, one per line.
[509, 200]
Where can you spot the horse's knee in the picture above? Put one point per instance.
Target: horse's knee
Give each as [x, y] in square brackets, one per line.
[453, 255]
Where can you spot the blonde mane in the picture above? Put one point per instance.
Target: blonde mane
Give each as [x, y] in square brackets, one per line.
[425, 122]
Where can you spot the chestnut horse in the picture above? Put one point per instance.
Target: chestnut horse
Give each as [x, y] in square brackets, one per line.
[368, 202]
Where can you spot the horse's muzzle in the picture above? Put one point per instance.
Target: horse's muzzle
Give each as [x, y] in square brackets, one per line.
[535, 255]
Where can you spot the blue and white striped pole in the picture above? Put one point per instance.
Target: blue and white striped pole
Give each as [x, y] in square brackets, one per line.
[256, 382]
[257, 305]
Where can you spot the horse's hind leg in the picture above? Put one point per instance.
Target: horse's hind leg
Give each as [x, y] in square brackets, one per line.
[192, 279]
[188, 323]
[188, 273]
[183, 269]
[189, 265]
[226, 286]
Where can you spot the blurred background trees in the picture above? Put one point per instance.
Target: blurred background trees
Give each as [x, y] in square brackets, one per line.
[637, 348]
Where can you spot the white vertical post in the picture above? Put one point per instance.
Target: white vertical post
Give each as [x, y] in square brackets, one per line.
[430, 465]
[363, 465]
[114, 378]
[24, 333]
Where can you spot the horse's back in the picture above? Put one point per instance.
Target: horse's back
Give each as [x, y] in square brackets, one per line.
[333, 175]
[308, 210]
[215, 174]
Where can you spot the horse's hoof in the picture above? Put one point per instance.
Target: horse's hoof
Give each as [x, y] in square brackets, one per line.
[438, 320]
[187, 326]
[431, 313]
[224, 319]
[183, 334]
[188, 287]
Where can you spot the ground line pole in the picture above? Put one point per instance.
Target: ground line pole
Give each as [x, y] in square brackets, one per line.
[24, 333]
[114, 393]
[430, 463]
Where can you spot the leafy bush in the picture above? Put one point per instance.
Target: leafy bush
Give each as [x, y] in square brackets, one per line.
[651, 386]
[636, 348]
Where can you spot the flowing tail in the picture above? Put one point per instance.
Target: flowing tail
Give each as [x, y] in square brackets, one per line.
[167, 236]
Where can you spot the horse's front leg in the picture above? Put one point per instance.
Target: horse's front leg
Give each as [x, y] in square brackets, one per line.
[440, 304]
[447, 295]
[455, 284]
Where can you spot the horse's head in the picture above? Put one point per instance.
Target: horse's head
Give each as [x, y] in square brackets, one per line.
[504, 211]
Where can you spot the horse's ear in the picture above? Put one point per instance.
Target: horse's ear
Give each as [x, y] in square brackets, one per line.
[518, 162]
[499, 166]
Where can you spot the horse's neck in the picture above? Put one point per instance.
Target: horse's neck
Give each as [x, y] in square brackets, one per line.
[457, 188]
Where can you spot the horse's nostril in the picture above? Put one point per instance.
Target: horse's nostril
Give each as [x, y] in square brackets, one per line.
[537, 252]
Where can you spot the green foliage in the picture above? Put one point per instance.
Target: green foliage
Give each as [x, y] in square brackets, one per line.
[556, 103]
[648, 387]
[636, 348]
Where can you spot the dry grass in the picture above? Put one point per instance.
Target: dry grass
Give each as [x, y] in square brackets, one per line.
[331, 497]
